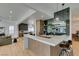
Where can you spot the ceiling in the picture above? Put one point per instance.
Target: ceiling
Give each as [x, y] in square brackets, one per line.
[47, 8]
[50, 8]
[37, 15]
[18, 12]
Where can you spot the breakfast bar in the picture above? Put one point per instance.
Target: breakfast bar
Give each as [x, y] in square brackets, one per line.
[45, 36]
[44, 46]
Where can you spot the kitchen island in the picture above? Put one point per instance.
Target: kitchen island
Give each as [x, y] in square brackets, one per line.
[44, 46]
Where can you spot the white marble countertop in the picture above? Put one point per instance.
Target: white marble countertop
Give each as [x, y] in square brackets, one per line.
[53, 41]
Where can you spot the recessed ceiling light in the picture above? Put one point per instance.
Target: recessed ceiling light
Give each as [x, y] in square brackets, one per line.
[11, 11]
[42, 16]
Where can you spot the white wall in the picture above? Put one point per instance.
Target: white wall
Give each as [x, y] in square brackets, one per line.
[6, 25]
[75, 26]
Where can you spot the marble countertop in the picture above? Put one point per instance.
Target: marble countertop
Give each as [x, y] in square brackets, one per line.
[53, 41]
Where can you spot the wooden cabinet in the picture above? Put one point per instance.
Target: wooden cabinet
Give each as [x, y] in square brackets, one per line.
[41, 49]
[23, 27]
[55, 51]
[44, 49]
[21, 34]
[39, 27]
[63, 14]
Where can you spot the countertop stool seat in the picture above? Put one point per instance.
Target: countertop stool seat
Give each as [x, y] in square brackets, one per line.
[66, 48]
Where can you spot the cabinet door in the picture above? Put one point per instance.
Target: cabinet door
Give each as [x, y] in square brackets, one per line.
[44, 49]
[33, 45]
[54, 51]
[30, 44]
[39, 48]
[39, 27]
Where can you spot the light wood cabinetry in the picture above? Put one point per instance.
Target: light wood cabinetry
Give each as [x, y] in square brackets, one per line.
[44, 49]
[39, 27]
[41, 49]
[54, 51]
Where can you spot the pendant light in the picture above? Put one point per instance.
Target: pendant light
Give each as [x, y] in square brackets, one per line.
[63, 5]
[10, 14]
[57, 18]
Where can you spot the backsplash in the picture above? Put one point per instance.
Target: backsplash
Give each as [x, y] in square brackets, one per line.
[60, 27]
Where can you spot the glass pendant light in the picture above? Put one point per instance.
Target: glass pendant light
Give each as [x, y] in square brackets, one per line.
[57, 18]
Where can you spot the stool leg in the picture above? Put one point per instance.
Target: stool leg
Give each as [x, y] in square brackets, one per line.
[63, 52]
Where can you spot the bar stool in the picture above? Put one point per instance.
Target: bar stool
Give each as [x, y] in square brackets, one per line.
[65, 48]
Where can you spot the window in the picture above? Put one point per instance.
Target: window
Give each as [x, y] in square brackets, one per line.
[11, 30]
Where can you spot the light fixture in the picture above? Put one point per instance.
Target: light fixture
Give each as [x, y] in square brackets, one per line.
[63, 5]
[11, 11]
[10, 14]
[57, 18]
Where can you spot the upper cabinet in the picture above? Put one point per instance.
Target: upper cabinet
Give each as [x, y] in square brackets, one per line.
[63, 15]
[23, 27]
[39, 27]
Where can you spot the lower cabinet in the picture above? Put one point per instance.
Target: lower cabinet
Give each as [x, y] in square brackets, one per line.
[41, 49]
[55, 51]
